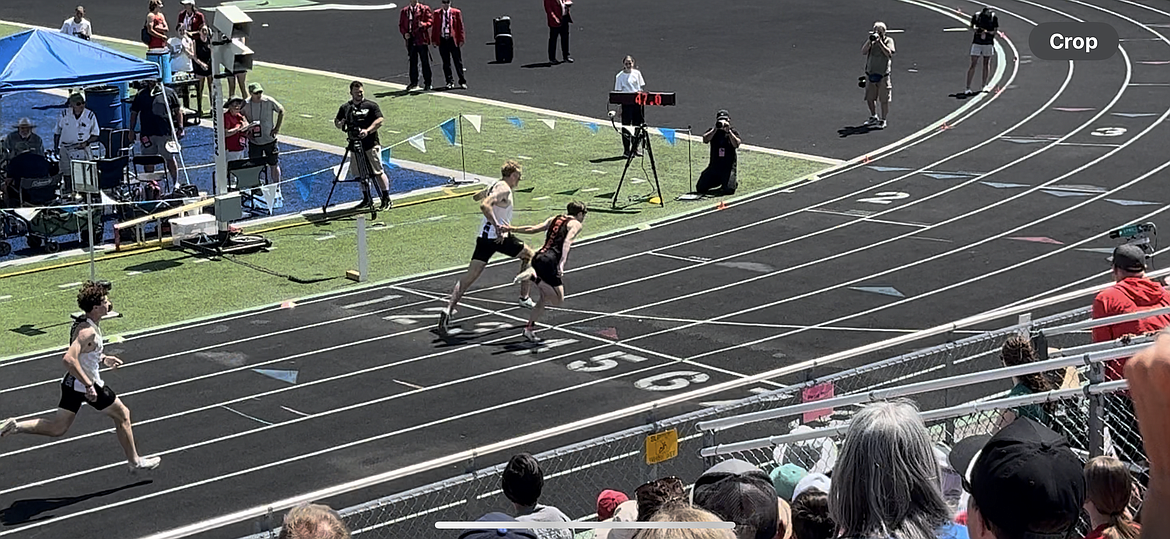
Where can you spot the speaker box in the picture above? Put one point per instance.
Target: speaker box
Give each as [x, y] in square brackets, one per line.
[504, 48]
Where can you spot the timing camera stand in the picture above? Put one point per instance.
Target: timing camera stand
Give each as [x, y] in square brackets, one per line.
[641, 139]
[362, 175]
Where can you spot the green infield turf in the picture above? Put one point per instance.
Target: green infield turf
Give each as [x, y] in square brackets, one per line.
[563, 158]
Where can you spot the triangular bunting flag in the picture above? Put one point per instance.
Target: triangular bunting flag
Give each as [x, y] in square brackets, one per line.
[448, 128]
[667, 134]
[940, 176]
[418, 143]
[304, 188]
[273, 198]
[282, 375]
[609, 333]
[883, 290]
[592, 126]
[569, 193]
[474, 119]
[387, 162]
[516, 121]
[889, 169]
[552, 124]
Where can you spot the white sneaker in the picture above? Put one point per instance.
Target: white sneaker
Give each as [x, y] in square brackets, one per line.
[872, 120]
[531, 336]
[881, 124]
[8, 426]
[145, 463]
[527, 303]
[525, 275]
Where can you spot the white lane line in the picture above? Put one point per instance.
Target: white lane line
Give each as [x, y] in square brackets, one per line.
[371, 302]
[408, 384]
[560, 164]
[68, 285]
[287, 409]
[242, 414]
[525, 157]
[2, 298]
[541, 198]
[590, 189]
[323, 238]
[664, 255]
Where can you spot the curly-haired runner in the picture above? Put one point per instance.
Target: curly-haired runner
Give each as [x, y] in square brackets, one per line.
[83, 382]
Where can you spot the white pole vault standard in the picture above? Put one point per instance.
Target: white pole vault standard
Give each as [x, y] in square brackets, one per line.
[363, 254]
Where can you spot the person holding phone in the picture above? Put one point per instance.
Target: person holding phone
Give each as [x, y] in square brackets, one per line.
[236, 128]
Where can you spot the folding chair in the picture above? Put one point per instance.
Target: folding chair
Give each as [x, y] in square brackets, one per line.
[118, 142]
[244, 176]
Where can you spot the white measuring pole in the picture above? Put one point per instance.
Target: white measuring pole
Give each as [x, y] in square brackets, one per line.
[363, 256]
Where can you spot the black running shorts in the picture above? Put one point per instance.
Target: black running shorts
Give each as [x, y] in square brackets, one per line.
[71, 400]
[545, 263]
[485, 248]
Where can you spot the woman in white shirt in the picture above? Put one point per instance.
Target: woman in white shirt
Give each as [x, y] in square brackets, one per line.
[630, 80]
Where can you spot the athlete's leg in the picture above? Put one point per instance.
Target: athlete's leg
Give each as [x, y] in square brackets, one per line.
[473, 271]
[525, 261]
[549, 295]
[971, 70]
[986, 71]
[121, 416]
[55, 426]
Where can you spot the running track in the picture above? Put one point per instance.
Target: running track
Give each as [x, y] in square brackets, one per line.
[704, 300]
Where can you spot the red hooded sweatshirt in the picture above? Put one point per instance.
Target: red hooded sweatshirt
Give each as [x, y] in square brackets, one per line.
[1129, 295]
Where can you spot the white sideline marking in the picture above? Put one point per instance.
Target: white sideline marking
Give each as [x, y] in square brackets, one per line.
[242, 414]
[408, 384]
[371, 302]
[560, 164]
[302, 414]
[329, 237]
[541, 198]
[68, 285]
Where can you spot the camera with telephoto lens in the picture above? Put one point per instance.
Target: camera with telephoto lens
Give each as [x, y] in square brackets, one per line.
[861, 81]
[873, 36]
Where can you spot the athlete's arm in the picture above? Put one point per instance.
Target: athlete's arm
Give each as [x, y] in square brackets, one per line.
[483, 193]
[111, 361]
[84, 343]
[531, 229]
[574, 228]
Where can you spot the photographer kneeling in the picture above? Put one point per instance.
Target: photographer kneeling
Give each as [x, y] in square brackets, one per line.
[360, 118]
[879, 51]
[720, 171]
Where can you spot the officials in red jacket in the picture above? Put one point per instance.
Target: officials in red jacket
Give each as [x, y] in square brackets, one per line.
[559, 19]
[447, 33]
[414, 22]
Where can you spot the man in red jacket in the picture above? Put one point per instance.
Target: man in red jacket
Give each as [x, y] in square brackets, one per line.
[414, 22]
[1132, 292]
[447, 33]
[559, 19]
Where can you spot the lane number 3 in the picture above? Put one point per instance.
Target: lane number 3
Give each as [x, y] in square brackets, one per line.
[885, 198]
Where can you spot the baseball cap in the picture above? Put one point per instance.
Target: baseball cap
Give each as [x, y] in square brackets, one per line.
[1025, 480]
[722, 114]
[607, 503]
[254, 87]
[1129, 258]
[785, 478]
[500, 533]
[818, 481]
[740, 492]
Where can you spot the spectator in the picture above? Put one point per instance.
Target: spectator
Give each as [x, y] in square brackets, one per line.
[627, 511]
[77, 128]
[785, 478]
[879, 53]
[885, 484]
[1108, 490]
[77, 25]
[23, 140]
[741, 493]
[156, 26]
[262, 147]
[1016, 351]
[235, 127]
[497, 533]
[414, 22]
[557, 12]
[685, 513]
[522, 483]
[783, 520]
[151, 106]
[191, 20]
[312, 521]
[202, 68]
[1131, 292]
[607, 503]
[655, 495]
[721, 169]
[1024, 482]
[1148, 375]
[810, 515]
[448, 35]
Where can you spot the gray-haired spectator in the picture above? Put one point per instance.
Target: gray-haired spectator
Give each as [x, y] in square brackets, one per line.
[77, 25]
[740, 493]
[313, 521]
[1024, 482]
[22, 140]
[885, 484]
[523, 482]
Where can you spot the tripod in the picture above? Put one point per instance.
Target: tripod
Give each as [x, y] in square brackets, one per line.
[641, 138]
[362, 175]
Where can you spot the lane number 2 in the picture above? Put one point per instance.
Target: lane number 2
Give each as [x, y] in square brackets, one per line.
[885, 198]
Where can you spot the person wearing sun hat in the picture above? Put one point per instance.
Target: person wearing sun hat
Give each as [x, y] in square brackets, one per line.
[23, 140]
[1024, 482]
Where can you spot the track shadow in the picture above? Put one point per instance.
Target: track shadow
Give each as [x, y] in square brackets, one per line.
[537, 65]
[158, 265]
[855, 130]
[24, 511]
[963, 95]
[608, 159]
[397, 93]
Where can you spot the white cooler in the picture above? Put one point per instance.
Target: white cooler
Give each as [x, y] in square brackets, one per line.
[192, 226]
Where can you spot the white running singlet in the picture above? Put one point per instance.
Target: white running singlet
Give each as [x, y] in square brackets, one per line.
[503, 216]
[91, 362]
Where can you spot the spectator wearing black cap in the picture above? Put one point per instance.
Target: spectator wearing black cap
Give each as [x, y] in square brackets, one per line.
[721, 169]
[499, 533]
[740, 492]
[886, 482]
[1131, 292]
[1025, 483]
[523, 482]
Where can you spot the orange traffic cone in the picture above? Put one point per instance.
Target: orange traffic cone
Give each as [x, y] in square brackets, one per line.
[288, 304]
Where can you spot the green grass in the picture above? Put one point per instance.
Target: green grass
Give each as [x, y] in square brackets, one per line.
[414, 240]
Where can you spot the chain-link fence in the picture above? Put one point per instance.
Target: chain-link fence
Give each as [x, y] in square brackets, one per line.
[575, 474]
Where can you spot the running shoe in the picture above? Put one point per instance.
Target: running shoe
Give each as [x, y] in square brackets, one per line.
[145, 463]
[531, 336]
[444, 318]
[872, 120]
[524, 276]
[527, 303]
[8, 426]
[881, 124]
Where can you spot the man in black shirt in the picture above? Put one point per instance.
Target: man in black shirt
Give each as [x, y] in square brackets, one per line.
[156, 131]
[360, 119]
[986, 25]
[720, 171]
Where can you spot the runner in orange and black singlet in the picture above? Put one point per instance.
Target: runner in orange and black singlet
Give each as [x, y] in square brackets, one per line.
[548, 265]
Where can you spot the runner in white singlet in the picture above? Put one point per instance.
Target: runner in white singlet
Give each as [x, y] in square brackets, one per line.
[83, 382]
